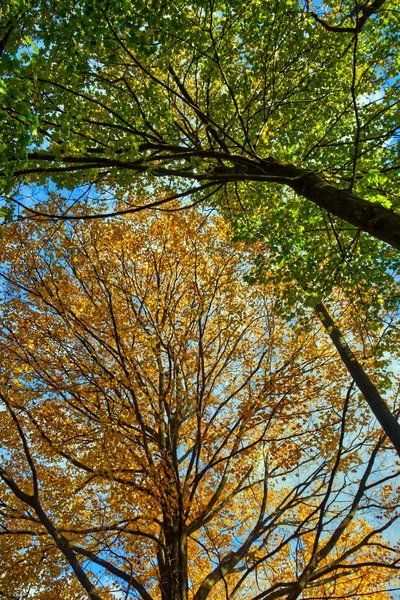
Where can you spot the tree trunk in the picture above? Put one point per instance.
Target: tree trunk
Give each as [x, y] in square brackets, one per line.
[173, 562]
[377, 404]
[373, 218]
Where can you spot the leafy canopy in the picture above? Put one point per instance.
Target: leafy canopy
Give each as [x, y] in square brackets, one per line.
[164, 427]
[284, 116]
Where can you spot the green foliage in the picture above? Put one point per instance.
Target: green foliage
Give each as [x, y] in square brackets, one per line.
[153, 99]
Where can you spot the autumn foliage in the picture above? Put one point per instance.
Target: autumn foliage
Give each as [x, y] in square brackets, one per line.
[167, 435]
[169, 431]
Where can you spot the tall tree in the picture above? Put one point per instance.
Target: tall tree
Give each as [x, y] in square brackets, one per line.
[166, 435]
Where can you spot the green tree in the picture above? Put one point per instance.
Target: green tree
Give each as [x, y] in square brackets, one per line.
[167, 436]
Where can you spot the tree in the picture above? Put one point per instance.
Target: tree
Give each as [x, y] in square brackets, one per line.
[166, 435]
[210, 97]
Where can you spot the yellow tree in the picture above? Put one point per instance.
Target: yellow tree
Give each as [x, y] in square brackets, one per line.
[166, 435]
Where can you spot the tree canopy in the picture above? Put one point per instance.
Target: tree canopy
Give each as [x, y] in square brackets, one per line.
[169, 431]
[166, 435]
[283, 115]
